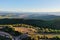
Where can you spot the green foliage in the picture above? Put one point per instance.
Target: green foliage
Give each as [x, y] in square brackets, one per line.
[56, 38]
[53, 24]
[27, 38]
[4, 38]
[11, 31]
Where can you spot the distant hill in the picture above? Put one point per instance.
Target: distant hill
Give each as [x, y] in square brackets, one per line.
[28, 16]
[34, 19]
[54, 24]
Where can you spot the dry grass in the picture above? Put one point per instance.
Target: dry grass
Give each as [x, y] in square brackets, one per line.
[25, 30]
[31, 31]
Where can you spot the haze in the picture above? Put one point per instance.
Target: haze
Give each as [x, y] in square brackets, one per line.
[30, 6]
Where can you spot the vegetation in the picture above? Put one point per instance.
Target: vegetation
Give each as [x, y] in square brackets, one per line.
[35, 28]
[4, 38]
[33, 35]
[10, 31]
[53, 24]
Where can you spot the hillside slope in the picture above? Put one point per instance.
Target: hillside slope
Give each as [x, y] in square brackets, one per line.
[55, 24]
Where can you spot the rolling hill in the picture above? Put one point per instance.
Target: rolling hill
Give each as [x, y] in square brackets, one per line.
[38, 16]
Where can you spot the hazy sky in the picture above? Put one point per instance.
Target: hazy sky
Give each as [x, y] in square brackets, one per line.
[30, 5]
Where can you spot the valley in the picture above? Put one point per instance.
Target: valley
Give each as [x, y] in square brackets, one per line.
[30, 29]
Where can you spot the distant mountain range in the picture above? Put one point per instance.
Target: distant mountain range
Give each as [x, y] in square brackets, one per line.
[28, 15]
[34, 19]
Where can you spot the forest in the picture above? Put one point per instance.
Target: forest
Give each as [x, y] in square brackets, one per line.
[53, 24]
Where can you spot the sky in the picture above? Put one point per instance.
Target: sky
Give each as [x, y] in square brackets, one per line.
[30, 5]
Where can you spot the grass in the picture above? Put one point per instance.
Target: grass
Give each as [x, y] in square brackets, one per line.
[31, 30]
